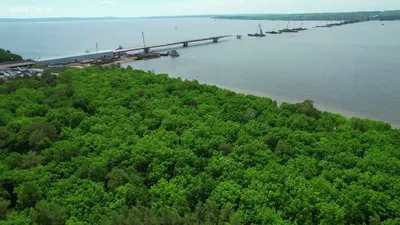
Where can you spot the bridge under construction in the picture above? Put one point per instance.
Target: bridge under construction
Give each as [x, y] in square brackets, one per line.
[184, 43]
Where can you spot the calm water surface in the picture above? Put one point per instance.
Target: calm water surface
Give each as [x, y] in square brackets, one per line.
[353, 69]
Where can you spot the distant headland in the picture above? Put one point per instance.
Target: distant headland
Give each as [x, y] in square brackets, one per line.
[365, 15]
[370, 15]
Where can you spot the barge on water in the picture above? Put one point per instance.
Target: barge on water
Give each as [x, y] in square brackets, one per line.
[287, 30]
[274, 31]
[301, 28]
[259, 32]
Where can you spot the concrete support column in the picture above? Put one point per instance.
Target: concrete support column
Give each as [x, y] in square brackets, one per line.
[185, 44]
[215, 40]
[146, 50]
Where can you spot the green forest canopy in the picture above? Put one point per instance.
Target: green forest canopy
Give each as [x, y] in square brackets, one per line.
[7, 56]
[121, 146]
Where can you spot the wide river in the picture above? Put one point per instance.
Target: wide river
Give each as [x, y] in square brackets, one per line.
[352, 69]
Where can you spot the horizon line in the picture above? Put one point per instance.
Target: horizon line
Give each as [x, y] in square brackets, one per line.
[193, 15]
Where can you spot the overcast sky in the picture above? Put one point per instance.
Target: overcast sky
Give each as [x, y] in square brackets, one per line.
[139, 8]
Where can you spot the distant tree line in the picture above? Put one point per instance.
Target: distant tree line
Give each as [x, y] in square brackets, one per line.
[339, 16]
[7, 56]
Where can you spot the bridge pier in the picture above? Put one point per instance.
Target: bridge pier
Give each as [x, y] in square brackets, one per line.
[146, 50]
[215, 40]
[185, 44]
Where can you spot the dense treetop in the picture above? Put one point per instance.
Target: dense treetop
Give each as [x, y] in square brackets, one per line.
[120, 146]
[7, 56]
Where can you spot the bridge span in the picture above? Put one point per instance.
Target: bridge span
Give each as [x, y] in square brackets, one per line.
[184, 43]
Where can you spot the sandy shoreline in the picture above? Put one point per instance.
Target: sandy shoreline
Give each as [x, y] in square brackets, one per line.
[84, 65]
[346, 113]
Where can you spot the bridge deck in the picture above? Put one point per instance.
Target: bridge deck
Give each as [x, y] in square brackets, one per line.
[8, 65]
[168, 44]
